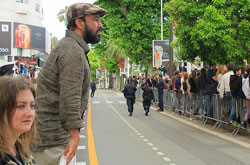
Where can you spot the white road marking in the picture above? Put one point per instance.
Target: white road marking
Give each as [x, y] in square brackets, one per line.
[167, 159]
[82, 136]
[160, 153]
[122, 102]
[80, 163]
[96, 102]
[81, 147]
[109, 102]
[150, 144]
[82, 128]
[138, 133]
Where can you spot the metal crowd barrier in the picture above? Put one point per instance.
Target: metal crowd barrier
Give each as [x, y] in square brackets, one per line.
[205, 106]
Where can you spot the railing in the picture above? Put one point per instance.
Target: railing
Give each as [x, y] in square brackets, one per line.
[205, 106]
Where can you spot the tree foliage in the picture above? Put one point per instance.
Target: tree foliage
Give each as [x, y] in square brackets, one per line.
[129, 28]
[62, 15]
[215, 30]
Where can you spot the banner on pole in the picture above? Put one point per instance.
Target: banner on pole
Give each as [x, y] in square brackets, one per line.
[160, 53]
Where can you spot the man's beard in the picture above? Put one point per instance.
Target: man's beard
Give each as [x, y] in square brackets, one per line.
[91, 36]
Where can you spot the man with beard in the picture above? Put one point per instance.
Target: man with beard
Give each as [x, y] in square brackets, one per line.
[63, 87]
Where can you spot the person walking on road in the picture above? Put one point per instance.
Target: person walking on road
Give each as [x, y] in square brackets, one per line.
[148, 96]
[160, 87]
[129, 93]
[93, 88]
[63, 86]
[17, 127]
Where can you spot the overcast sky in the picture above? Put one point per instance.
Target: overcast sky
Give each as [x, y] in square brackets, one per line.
[50, 9]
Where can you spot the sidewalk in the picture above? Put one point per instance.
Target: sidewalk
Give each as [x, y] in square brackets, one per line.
[242, 138]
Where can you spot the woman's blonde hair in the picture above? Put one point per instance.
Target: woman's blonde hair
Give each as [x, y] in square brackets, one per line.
[221, 69]
[9, 89]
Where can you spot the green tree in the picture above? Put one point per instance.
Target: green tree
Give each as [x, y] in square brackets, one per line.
[62, 15]
[130, 27]
[215, 30]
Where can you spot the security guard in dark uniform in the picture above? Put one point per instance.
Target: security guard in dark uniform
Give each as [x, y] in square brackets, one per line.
[160, 87]
[148, 96]
[129, 93]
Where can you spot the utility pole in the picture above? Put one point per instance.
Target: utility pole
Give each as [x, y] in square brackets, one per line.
[161, 21]
[171, 60]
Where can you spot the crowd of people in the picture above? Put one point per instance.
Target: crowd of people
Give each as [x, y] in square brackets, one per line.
[230, 83]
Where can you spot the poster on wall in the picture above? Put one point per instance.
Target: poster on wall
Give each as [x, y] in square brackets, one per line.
[160, 53]
[5, 38]
[28, 36]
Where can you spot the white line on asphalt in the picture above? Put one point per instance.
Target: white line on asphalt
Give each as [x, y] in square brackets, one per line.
[155, 148]
[109, 102]
[167, 159]
[82, 136]
[82, 128]
[80, 163]
[150, 144]
[96, 102]
[141, 136]
[122, 102]
[160, 153]
[81, 147]
[146, 140]
[138, 133]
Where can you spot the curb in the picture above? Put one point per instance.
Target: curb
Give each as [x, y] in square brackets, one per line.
[220, 135]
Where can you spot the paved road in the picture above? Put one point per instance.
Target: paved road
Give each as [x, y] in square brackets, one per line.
[150, 140]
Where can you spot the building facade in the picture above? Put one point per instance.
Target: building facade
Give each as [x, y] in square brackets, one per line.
[22, 35]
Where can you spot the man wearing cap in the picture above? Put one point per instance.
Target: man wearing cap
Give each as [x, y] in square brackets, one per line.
[63, 87]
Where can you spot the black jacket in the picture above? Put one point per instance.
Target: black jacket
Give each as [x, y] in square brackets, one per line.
[160, 85]
[236, 86]
[148, 93]
[193, 85]
[129, 91]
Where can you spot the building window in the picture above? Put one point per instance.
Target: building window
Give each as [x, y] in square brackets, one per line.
[37, 8]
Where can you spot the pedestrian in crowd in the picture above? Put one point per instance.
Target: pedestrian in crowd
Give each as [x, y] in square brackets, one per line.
[160, 87]
[246, 91]
[238, 95]
[154, 82]
[172, 85]
[17, 127]
[177, 89]
[202, 80]
[149, 80]
[93, 88]
[63, 86]
[224, 90]
[211, 88]
[129, 94]
[166, 83]
[148, 96]
[222, 69]
[185, 88]
[193, 82]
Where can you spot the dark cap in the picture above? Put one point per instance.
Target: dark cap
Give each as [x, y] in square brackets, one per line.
[79, 10]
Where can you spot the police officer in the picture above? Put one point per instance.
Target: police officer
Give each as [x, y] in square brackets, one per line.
[160, 87]
[148, 95]
[129, 93]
